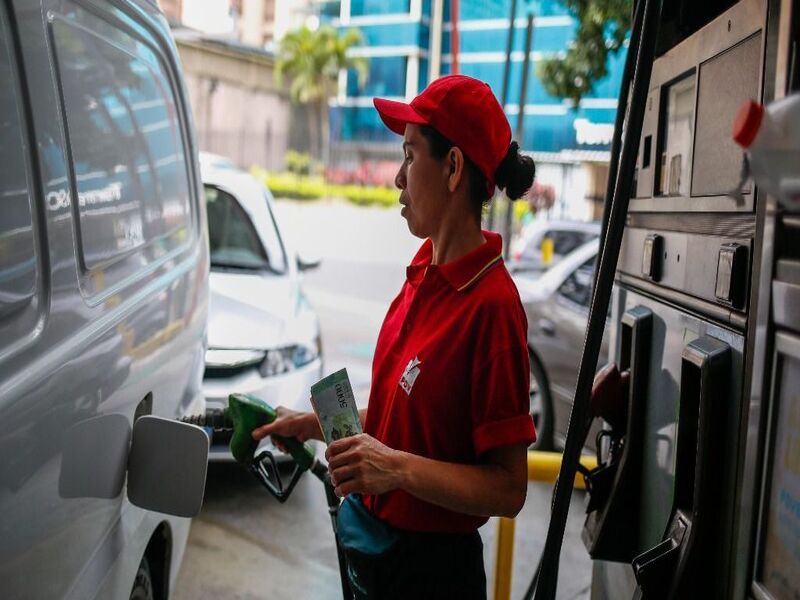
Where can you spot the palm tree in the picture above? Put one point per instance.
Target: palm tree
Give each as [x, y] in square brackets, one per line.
[313, 60]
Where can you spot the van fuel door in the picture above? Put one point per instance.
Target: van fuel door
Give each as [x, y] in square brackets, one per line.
[167, 466]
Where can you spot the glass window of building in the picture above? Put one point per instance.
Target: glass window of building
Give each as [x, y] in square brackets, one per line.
[360, 8]
[387, 77]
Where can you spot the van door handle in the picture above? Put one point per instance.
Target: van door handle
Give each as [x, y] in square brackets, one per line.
[546, 326]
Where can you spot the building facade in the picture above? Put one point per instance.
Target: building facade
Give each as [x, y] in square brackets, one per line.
[410, 42]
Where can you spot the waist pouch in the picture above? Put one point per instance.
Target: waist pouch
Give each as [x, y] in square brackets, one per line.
[386, 563]
[370, 546]
[362, 532]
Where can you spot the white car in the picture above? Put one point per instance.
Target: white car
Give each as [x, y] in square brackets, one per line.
[263, 336]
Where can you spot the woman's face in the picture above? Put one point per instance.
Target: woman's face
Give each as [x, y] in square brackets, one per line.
[422, 180]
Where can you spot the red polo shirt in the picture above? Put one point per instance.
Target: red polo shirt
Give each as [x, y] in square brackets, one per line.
[450, 374]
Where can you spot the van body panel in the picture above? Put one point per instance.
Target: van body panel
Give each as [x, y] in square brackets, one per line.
[107, 334]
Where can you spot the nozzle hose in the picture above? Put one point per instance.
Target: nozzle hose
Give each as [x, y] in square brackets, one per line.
[216, 422]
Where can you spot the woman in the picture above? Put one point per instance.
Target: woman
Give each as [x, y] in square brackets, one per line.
[448, 425]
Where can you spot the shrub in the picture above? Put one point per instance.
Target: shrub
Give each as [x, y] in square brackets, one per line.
[287, 185]
[298, 163]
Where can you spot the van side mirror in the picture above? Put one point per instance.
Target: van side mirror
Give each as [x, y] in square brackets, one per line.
[167, 466]
[306, 262]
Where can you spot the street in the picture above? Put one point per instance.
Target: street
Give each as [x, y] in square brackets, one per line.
[244, 544]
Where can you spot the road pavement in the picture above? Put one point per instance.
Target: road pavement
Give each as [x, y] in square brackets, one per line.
[244, 544]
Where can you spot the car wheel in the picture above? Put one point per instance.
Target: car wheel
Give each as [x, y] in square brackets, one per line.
[541, 407]
[143, 584]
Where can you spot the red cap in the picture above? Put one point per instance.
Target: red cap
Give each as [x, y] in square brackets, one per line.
[462, 109]
[747, 123]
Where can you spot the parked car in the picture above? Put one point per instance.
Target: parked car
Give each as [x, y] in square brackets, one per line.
[103, 295]
[263, 335]
[557, 306]
[566, 236]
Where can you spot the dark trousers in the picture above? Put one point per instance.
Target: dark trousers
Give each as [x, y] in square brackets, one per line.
[421, 566]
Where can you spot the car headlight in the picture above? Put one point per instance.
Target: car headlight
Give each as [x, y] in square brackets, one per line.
[218, 358]
[283, 360]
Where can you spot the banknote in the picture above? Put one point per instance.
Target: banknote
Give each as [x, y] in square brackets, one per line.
[333, 401]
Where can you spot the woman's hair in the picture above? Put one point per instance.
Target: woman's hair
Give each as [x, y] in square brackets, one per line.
[514, 174]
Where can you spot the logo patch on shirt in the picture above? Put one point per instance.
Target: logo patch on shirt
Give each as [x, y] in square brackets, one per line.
[410, 374]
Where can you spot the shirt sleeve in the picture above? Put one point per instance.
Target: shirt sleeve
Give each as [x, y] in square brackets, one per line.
[500, 387]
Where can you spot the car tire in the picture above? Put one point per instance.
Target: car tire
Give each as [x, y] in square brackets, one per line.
[541, 406]
[143, 583]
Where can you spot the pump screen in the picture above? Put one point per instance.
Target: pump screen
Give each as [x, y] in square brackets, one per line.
[677, 129]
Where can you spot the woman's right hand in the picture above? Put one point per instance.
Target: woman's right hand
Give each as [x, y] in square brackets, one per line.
[290, 424]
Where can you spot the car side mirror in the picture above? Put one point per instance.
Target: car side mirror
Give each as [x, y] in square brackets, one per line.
[307, 262]
[167, 466]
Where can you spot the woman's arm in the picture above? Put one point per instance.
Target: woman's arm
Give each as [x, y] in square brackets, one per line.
[495, 486]
[301, 425]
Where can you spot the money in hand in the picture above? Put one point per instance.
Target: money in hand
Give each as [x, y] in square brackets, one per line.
[335, 406]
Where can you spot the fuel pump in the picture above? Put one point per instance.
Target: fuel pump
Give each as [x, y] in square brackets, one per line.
[696, 476]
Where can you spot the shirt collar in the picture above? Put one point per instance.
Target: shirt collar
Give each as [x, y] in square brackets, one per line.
[464, 271]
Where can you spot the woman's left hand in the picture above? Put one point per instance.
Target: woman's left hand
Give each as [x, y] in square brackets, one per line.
[363, 465]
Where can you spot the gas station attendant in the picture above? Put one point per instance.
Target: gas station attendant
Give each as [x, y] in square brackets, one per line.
[448, 425]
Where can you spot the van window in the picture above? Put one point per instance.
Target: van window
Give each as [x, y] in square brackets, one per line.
[125, 140]
[18, 265]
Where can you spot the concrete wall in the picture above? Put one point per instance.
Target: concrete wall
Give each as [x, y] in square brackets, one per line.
[239, 112]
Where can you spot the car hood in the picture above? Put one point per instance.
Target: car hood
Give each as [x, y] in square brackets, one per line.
[250, 310]
[532, 289]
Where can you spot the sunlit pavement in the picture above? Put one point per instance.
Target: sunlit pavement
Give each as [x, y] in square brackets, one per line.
[244, 544]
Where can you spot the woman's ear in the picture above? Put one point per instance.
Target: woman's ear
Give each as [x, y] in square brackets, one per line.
[455, 160]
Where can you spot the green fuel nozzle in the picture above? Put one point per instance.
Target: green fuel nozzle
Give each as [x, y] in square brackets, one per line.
[244, 414]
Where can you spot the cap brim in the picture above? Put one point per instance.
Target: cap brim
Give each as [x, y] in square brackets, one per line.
[396, 115]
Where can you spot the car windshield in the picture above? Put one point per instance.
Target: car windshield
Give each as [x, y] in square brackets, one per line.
[232, 238]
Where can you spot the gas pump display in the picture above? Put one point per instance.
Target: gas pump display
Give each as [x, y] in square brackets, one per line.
[677, 133]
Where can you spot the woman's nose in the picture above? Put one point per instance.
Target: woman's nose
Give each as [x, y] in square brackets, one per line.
[400, 178]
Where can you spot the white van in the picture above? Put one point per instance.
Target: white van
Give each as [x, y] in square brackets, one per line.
[103, 294]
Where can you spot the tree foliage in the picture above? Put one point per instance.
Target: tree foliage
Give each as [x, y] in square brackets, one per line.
[602, 28]
[312, 59]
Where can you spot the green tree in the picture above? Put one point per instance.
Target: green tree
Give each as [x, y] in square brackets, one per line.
[312, 59]
[602, 28]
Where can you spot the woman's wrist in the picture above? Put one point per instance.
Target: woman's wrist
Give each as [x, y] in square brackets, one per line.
[312, 428]
[402, 469]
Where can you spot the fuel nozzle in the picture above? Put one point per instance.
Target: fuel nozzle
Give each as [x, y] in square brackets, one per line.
[610, 396]
[235, 425]
[247, 413]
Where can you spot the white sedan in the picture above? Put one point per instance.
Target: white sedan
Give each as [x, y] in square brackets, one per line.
[263, 336]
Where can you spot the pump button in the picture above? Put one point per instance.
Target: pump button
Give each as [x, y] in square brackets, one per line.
[731, 274]
[651, 256]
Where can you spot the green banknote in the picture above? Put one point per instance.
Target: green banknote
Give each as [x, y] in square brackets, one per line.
[335, 405]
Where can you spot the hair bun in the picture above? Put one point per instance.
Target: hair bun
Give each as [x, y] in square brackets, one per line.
[515, 172]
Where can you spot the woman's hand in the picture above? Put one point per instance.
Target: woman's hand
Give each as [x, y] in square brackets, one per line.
[290, 424]
[363, 465]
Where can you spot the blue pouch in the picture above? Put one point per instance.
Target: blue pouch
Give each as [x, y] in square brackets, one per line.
[362, 532]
